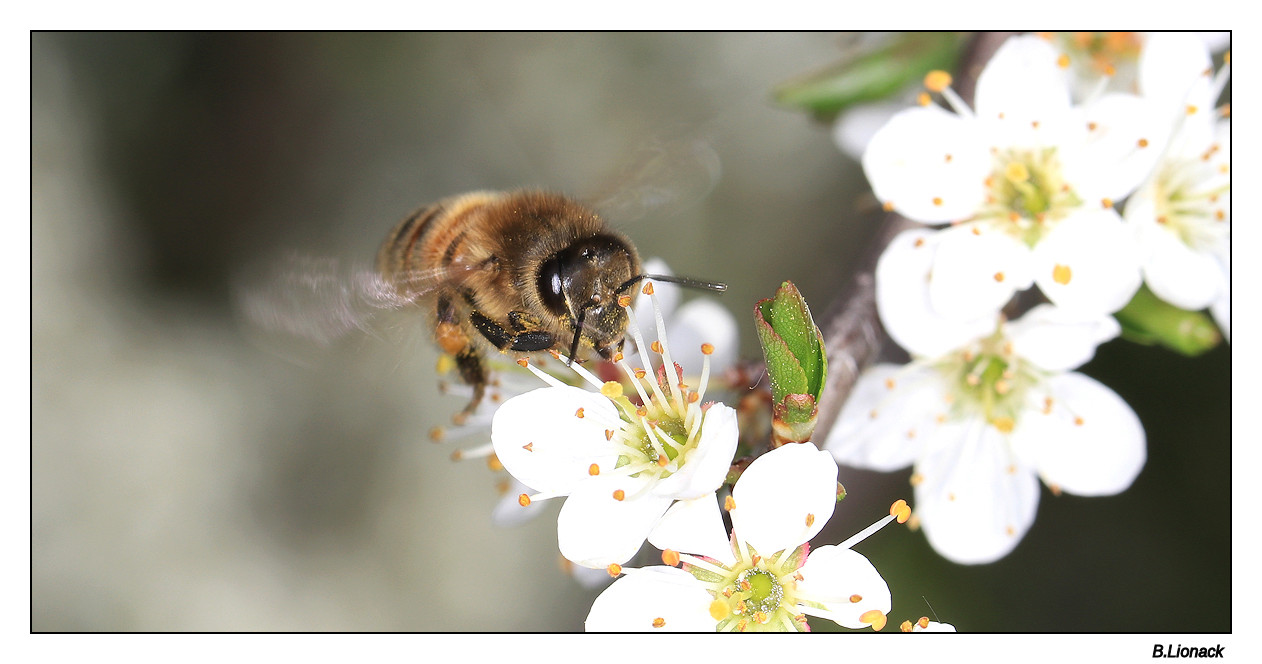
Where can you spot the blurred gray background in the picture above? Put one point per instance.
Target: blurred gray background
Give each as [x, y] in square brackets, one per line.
[186, 479]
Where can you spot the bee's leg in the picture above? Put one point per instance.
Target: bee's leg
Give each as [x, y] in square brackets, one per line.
[505, 340]
[455, 342]
[473, 373]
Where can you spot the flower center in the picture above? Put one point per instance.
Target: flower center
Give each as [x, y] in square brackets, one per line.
[990, 380]
[1026, 191]
[1186, 207]
[755, 594]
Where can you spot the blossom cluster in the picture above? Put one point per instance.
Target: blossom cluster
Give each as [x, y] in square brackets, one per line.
[1029, 189]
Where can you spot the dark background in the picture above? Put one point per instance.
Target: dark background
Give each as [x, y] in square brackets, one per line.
[185, 479]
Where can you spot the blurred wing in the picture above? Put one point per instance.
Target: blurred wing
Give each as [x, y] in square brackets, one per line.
[320, 301]
[662, 175]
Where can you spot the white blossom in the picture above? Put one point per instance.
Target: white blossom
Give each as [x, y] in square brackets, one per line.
[619, 464]
[1027, 181]
[982, 423]
[765, 577]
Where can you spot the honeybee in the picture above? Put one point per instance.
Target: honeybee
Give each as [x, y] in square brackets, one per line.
[512, 272]
[524, 271]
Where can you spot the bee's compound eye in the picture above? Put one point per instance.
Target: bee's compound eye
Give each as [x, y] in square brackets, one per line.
[552, 286]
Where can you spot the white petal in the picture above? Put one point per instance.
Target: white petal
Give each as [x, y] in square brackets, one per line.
[976, 270]
[933, 627]
[1090, 443]
[902, 299]
[694, 526]
[634, 602]
[1177, 273]
[975, 503]
[833, 576]
[1023, 82]
[595, 530]
[877, 428]
[703, 320]
[561, 445]
[1111, 159]
[929, 164]
[1054, 341]
[1089, 263]
[856, 127]
[1172, 70]
[784, 497]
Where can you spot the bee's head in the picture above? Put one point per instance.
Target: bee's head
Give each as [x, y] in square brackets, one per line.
[581, 284]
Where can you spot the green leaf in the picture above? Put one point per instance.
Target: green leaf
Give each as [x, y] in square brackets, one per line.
[1150, 320]
[873, 75]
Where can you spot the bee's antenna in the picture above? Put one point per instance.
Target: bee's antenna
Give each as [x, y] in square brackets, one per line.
[670, 279]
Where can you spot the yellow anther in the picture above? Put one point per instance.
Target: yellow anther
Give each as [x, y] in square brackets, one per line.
[937, 80]
[614, 569]
[1055, 488]
[1078, 421]
[916, 479]
[1143, 143]
[1220, 215]
[976, 230]
[617, 357]
[593, 470]
[619, 495]
[624, 300]
[493, 462]
[911, 434]
[949, 158]
[656, 346]
[719, 609]
[640, 373]
[523, 500]
[529, 447]
[670, 557]
[1016, 171]
[662, 460]
[810, 520]
[1061, 274]
[1004, 424]
[659, 622]
[999, 277]
[648, 288]
[1106, 203]
[523, 362]
[872, 414]
[729, 504]
[905, 627]
[642, 412]
[1091, 126]
[436, 434]
[937, 200]
[1002, 387]
[611, 390]
[693, 397]
[874, 618]
[855, 599]
[900, 510]
[889, 383]
[579, 413]
[609, 434]
[456, 456]
[920, 242]
[1191, 109]
[1034, 124]
[923, 622]
[760, 617]
[707, 349]
[753, 560]
[1063, 61]
[924, 99]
